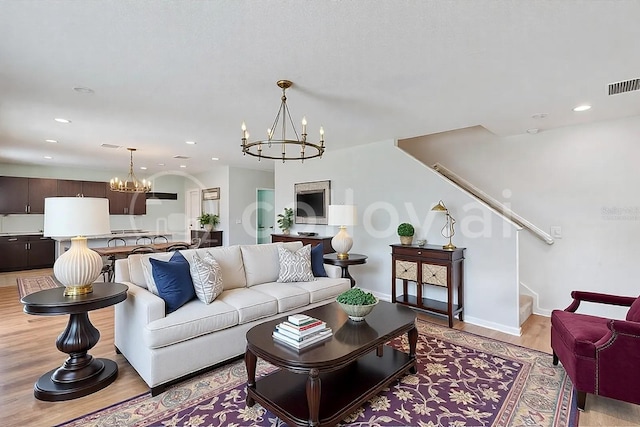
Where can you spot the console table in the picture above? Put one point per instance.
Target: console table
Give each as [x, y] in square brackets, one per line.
[429, 265]
[306, 240]
[208, 239]
[81, 374]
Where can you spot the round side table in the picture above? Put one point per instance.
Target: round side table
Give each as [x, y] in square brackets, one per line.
[81, 374]
[354, 259]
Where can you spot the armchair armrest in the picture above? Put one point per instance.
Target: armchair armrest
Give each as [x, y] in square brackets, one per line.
[579, 296]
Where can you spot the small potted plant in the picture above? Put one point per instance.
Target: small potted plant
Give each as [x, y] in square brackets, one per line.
[209, 221]
[406, 232]
[285, 220]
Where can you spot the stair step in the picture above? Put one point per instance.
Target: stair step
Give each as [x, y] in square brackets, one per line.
[526, 307]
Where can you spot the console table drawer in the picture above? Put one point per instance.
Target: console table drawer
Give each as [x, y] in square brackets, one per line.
[434, 274]
[407, 270]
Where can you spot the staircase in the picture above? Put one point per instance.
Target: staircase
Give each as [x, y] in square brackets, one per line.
[526, 307]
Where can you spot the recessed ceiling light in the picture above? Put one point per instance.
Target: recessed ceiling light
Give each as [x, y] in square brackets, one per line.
[190, 142]
[59, 120]
[215, 158]
[584, 107]
[53, 141]
[81, 89]
[48, 157]
[144, 168]
[183, 166]
[160, 164]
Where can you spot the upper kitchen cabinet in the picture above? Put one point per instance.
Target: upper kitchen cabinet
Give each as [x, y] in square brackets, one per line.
[127, 203]
[70, 188]
[20, 195]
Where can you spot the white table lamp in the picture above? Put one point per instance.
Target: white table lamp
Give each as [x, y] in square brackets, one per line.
[342, 216]
[78, 267]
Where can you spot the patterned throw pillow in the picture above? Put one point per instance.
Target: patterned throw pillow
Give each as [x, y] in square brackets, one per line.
[295, 266]
[206, 277]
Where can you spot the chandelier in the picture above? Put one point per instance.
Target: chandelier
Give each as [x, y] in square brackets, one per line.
[268, 148]
[131, 183]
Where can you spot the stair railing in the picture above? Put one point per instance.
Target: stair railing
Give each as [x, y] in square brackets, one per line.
[493, 203]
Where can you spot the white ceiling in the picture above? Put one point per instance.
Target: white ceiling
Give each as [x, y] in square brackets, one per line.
[164, 72]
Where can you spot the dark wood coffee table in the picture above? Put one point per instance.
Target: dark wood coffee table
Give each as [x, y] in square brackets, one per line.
[338, 375]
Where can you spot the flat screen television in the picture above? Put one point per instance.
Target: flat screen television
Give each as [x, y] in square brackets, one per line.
[312, 202]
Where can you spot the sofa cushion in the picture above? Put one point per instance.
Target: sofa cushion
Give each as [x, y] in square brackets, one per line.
[250, 304]
[579, 332]
[295, 266]
[231, 267]
[323, 288]
[317, 261]
[193, 320]
[173, 280]
[261, 262]
[288, 297]
[206, 277]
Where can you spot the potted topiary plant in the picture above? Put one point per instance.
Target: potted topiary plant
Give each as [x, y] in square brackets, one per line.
[285, 220]
[406, 232]
[209, 221]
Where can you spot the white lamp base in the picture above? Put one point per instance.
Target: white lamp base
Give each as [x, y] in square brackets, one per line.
[78, 268]
[342, 243]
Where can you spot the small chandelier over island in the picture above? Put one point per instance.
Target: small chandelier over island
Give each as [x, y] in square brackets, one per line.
[267, 148]
[131, 183]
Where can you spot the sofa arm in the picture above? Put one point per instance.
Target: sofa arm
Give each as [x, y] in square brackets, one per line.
[333, 271]
[617, 362]
[122, 271]
[579, 296]
[141, 307]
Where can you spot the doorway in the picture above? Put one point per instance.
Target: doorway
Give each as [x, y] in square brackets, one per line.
[193, 211]
[265, 214]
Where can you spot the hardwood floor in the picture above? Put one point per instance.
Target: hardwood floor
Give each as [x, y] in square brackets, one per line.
[27, 350]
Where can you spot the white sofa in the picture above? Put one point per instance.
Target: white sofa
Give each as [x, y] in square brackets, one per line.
[165, 349]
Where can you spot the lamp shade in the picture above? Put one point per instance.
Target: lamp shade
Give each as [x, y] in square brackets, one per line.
[342, 215]
[76, 216]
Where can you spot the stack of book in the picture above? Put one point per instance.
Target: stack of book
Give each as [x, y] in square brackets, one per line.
[300, 331]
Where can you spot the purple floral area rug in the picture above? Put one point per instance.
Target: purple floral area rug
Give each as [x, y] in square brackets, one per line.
[462, 380]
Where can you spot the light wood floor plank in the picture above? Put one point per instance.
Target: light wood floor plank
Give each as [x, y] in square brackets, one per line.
[27, 350]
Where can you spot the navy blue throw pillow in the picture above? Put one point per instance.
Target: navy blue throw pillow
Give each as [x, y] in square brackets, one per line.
[173, 280]
[317, 262]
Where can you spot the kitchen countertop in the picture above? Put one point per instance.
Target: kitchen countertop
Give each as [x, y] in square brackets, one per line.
[115, 233]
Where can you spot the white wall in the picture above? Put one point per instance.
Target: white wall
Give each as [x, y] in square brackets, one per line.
[163, 216]
[216, 177]
[581, 178]
[388, 186]
[243, 209]
[237, 199]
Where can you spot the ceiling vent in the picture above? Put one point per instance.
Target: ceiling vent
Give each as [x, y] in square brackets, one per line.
[622, 87]
[110, 146]
[181, 157]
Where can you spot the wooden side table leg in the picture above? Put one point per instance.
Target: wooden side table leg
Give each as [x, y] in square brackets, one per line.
[250, 361]
[413, 343]
[345, 275]
[313, 397]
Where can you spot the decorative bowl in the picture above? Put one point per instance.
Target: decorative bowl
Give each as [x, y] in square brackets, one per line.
[357, 313]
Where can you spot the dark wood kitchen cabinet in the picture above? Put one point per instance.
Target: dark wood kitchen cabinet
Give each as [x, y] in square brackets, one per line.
[19, 195]
[71, 188]
[126, 203]
[26, 252]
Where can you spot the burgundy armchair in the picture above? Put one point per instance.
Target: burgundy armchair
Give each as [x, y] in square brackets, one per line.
[601, 356]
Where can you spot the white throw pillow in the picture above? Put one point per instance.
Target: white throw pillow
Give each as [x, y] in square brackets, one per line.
[206, 277]
[295, 266]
